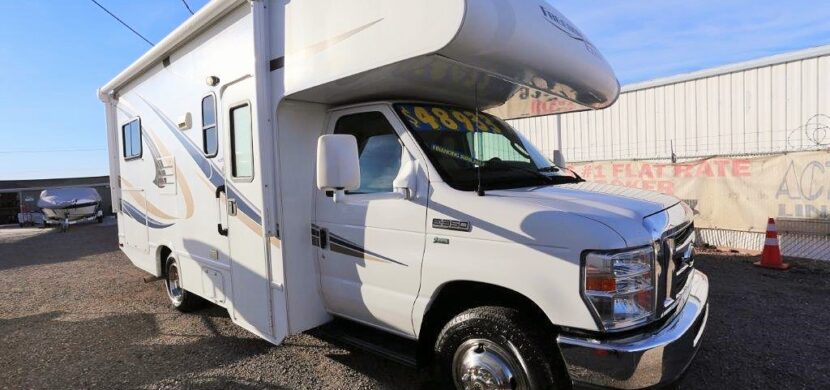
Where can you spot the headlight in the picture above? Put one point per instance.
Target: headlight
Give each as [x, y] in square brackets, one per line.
[619, 286]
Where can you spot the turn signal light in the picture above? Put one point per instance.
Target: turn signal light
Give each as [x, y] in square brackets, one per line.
[600, 283]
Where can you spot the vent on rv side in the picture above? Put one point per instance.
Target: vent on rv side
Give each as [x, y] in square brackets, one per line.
[185, 121]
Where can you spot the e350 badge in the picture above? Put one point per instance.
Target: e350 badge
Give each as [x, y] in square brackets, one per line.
[450, 224]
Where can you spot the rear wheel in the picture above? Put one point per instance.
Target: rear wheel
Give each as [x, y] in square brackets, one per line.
[494, 347]
[181, 299]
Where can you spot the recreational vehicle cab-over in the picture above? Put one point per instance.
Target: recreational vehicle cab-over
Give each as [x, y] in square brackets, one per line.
[301, 161]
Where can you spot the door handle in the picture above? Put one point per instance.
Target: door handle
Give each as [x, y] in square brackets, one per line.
[324, 238]
[232, 207]
[221, 230]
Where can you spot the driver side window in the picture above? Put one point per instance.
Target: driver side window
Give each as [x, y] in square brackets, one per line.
[378, 149]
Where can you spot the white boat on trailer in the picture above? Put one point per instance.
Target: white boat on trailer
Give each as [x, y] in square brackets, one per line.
[68, 206]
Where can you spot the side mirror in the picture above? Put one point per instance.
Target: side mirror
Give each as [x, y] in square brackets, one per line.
[406, 182]
[558, 158]
[338, 166]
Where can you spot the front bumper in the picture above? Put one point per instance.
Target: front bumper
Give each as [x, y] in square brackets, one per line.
[650, 359]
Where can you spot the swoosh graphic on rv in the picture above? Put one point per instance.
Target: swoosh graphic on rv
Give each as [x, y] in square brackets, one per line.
[151, 145]
[318, 47]
[343, 246]
[161, 150]
[151, 208]
[136, 214]
[208, 169]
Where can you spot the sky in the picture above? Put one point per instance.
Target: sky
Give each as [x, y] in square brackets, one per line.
[55, 54]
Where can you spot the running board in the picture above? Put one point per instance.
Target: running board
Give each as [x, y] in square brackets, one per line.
[384, 344]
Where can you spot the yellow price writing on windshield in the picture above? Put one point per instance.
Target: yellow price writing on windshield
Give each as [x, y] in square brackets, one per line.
[440, 118]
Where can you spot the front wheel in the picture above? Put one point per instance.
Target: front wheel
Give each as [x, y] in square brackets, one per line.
[181, 299]
[494, 347]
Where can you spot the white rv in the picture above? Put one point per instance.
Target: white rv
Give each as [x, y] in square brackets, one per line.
[301, 161]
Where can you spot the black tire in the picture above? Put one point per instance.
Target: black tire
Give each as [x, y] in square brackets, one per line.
[181, 299]
[510, 333]
[100, 219]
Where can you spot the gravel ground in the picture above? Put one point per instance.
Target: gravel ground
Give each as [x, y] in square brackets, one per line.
[74, 313]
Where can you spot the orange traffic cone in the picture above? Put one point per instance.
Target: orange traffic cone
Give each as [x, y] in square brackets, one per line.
[771, 257]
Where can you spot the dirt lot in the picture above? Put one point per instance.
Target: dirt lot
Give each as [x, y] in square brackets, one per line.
[74, 313]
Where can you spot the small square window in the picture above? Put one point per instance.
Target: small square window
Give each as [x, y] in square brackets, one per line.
[242, 146]
[210, 137]
[131, 136]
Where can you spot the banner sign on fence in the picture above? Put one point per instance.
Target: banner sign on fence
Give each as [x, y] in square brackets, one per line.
[731, 193]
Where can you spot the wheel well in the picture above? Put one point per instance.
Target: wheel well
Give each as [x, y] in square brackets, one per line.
[163, 253]
[456, 297]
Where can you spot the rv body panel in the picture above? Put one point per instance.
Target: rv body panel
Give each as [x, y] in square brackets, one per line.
[530, 43]
[179, 193]
[349, 38]
[295, 152]
[488, 54]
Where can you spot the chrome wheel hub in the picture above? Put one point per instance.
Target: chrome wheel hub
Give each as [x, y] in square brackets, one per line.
[174, 288]
[480, 364]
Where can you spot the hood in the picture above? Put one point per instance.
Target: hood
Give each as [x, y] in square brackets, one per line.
[622, 209]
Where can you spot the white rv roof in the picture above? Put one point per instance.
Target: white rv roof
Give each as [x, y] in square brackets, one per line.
[516, 58]
[199, 21]
[360, 50]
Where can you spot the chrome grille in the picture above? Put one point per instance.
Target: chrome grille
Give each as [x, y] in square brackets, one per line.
[676, 261]
[682, 259]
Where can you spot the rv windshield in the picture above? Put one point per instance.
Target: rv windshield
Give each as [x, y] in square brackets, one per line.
[462, 145]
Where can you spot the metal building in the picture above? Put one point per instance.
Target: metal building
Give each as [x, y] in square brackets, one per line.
[773, 105]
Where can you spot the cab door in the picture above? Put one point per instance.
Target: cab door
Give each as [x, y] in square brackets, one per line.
[371, 242]
[250, 279]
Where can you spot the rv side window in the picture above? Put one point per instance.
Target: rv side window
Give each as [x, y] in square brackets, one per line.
[378, 149]
[210, 137]
[242, 145]
[131, 136]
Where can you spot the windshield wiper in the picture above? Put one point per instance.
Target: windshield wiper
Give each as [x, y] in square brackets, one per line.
[538, 172]
[535, 172]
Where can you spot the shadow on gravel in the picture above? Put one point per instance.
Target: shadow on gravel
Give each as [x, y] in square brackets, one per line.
[113, 351]
[77, 242]
[220, 382]
[394, 376]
